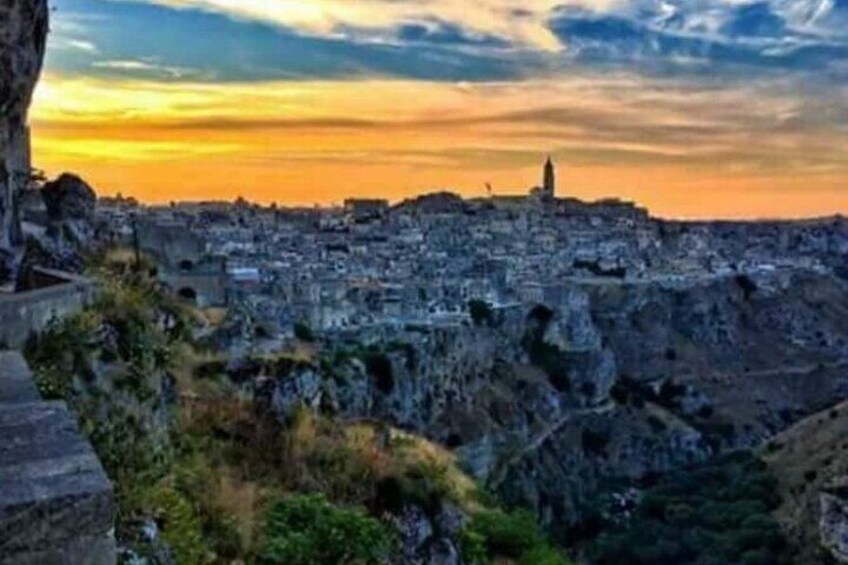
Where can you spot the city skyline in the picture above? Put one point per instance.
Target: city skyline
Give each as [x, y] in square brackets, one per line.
[715, 108]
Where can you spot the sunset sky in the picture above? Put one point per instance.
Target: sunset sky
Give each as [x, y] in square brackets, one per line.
[694, 108]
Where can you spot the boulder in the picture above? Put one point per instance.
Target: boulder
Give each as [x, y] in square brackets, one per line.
[70, 203]
[69, 198]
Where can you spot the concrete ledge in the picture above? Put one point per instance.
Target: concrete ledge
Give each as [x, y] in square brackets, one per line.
[16, 384]
[56, 503]
[97, 550]
[29, 312]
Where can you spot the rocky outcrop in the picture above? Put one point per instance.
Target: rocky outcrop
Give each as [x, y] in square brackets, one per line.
[23, 33]
[59, 226]
[833, 520]
[70, 203]
[430, 540]
[57, 237]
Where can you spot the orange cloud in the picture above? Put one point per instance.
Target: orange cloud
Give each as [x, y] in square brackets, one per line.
[683, 151]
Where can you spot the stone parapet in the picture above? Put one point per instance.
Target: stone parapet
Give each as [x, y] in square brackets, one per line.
[26, 313]
[56, 503]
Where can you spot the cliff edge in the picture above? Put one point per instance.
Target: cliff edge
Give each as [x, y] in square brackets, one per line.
[23, 34]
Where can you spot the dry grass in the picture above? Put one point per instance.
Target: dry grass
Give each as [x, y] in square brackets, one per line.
[244, 501]
[415, 450]
[214, 316]
[251, 458]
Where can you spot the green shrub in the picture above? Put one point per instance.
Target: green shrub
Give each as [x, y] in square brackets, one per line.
[307, 529]
[472, 544]
[515, 535]
[543, 555]
[718, 513]
[481, 313]
[303, 332]
[508, 535]
[180, 526]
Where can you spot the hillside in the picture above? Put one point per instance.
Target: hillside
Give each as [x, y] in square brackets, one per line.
[204, 472]
[810, 462]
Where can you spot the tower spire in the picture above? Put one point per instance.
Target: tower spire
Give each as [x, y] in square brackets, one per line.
[549, 183]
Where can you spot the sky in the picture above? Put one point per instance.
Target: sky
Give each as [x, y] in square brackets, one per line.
[693, 108]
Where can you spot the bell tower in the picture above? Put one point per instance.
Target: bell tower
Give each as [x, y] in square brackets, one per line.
[549, 182]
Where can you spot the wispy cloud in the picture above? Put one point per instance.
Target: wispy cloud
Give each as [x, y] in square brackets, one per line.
[135, 66]
[522, 23]
[765, 126]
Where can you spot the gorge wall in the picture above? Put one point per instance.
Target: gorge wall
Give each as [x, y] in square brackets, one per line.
[606, 383]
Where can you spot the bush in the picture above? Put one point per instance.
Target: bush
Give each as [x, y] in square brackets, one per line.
[543, 555]
[303, 332]
[718, 513]
[112, 364]
[307, 529]
[180, 526]
[515, 535]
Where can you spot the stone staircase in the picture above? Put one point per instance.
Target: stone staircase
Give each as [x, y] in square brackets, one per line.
[56, 503]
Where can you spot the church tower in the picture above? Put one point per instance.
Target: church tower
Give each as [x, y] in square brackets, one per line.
[549, 183]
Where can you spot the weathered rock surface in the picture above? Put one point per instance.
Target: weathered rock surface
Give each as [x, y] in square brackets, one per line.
[609, 381]
[56, 504]
[70, 203]
[833, 520]
[56, 236]
[23, 33]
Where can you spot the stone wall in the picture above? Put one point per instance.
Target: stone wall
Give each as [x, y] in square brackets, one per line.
[25, 313]
[172, 246]
[56, 503]
[206, 289]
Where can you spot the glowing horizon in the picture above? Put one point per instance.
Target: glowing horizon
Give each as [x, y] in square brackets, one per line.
[403, 107]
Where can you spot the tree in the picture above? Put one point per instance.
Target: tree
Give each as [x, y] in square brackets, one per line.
[481, 313]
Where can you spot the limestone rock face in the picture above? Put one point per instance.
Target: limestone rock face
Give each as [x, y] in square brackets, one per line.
[23, 33]
[70, 203]
[69, 198]
[605, 381]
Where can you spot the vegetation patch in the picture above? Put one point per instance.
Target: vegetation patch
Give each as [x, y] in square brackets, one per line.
[307, 529]
[493, 535]
[718, 513]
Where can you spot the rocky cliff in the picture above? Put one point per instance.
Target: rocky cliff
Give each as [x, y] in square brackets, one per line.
[23, 33]
[607, 383]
